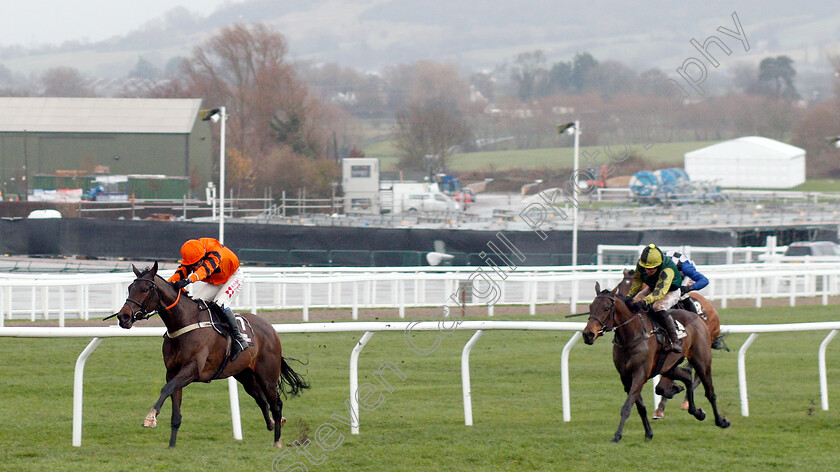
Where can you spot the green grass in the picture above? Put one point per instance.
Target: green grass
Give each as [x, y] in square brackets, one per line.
[419, 426]
[819, 185]
[665, 154]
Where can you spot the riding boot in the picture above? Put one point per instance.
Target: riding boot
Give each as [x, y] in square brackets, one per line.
[671, 327]
[239, 342]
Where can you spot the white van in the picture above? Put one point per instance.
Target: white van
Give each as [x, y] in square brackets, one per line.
[425, 201]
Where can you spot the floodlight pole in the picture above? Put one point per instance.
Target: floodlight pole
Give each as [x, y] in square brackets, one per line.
[575, 204]
[575, 190]
[223, 114]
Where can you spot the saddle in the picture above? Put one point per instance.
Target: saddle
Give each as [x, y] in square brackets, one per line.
[693, 305]
[221, 327]
[662, 334]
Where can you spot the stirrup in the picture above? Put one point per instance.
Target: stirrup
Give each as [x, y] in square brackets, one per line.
[236, 347]
[673, 347]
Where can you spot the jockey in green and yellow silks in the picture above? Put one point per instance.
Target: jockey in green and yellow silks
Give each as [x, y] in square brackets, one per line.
[656, 284]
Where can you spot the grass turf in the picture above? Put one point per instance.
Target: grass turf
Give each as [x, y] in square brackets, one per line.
[663, 154]
[419, 426]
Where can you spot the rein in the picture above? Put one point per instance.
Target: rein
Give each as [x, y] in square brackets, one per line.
[177, 299]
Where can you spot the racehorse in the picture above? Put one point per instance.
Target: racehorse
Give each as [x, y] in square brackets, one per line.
[638, 356]
[194, 352]
[710, 316]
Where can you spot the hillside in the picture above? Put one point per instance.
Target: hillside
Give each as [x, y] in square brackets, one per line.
[373, 34]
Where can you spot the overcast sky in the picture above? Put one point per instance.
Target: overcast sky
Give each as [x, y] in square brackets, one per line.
[32, 22]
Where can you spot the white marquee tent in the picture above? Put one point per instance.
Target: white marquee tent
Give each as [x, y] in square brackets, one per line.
[749, 162]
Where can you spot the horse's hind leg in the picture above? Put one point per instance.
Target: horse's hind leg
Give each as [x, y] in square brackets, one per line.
[704, 371]
[683, 374]
[667, 389]
[252, 387]
[659, 412]
[694, 385]
[272, 395]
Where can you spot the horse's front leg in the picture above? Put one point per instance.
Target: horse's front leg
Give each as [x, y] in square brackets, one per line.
[633, 395]
[181, 379]
[176, 416]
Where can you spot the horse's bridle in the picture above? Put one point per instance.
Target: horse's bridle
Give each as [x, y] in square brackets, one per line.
[610, 316]
[143, 313]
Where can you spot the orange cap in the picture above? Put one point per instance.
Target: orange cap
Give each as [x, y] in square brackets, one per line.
[191, 252]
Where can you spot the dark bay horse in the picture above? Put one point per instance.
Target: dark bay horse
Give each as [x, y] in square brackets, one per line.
[194, 352]
[712, 320]
[638, 356]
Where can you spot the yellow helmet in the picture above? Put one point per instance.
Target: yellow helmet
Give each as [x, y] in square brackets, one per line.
[651, 257]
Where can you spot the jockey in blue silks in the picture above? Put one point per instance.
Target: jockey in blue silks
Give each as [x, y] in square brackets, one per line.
[692, 278]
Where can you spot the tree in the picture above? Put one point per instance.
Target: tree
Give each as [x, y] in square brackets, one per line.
[529, 74]
[270, 113]
[428, 133]
[144, 69]
[65, 82]
[779, 71]
[244, 68]
[560, 77]
[810, 133]
[582, 66]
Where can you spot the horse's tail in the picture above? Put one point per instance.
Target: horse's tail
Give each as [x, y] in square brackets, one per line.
[290, 381]
[719, 343]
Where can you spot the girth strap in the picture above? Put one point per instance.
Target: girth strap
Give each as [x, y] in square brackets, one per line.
[188, 328]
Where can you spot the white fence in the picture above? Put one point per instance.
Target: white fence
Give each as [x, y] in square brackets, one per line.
[369, 328]
[47, 296]
[620, 254]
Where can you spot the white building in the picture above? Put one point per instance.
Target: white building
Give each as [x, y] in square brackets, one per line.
[749, 162]
[360, 181]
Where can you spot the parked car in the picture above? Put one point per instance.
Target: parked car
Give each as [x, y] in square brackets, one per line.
[806, 251]
[814, 249]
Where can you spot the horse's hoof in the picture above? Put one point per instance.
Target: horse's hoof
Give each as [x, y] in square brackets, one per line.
[658, 414]
[151, 420]
[282, 421]
[616, 439]
[270, 424]
[724, 423]
[700, 414]
[684, 405]
[648, 437]
[278, 443]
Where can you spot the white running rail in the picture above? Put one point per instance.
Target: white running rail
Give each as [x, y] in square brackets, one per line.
[369, 328]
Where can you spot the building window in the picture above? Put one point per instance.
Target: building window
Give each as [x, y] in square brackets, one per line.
[360, 203]
[359, 171]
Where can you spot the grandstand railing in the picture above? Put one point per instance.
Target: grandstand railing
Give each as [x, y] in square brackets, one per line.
[369, 328]
[51, 296]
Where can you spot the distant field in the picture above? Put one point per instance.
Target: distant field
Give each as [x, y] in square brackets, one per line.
[666, 154]
[420, 425]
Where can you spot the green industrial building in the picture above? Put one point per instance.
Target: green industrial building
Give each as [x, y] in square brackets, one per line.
[66, 141]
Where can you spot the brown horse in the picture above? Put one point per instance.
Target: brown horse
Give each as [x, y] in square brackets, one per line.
[638, 356]
[194, 352]
[666, 386]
